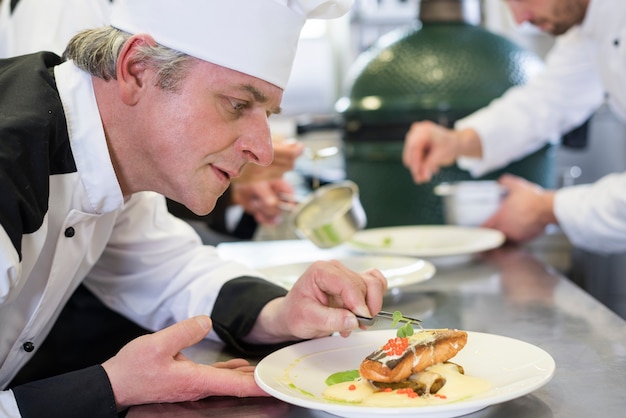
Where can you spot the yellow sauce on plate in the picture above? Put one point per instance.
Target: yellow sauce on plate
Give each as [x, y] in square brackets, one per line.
[458, 386]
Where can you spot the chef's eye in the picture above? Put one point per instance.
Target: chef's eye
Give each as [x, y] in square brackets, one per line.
[237, 105]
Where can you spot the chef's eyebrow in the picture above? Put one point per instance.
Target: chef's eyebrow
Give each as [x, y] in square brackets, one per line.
[260, 97]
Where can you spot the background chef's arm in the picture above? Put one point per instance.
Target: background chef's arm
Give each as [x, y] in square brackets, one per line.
[559, 98]
[593, 216]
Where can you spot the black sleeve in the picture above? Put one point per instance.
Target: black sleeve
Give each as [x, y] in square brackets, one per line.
[83, 393]
[237, 306]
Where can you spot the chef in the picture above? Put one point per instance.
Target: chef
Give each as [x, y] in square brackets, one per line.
[28, 26]
[171, 100]
[585, 68]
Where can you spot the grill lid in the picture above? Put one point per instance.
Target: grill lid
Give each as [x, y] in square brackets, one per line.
[437, 69]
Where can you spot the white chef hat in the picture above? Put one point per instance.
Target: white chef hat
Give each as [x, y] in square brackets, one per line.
[256, 37]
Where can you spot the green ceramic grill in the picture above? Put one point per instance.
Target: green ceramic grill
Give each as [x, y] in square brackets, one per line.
[441, 68]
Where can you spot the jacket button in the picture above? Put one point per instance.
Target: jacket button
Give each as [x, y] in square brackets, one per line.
[69, 232]
[28, 346]
[616, 42]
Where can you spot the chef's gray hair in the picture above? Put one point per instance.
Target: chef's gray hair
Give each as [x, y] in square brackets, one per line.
[96, 51]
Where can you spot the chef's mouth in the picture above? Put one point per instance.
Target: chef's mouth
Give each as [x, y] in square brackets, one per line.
[225, 174]
[222, 173]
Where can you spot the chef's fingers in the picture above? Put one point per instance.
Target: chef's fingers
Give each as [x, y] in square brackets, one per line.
[235, 363]
[183, 334]
[150, 369]
[261, 199]
[509, 180]
[427, 148]
[286, 153]
[415, 150]
[377, 285]
[326, 298]
[359, 293]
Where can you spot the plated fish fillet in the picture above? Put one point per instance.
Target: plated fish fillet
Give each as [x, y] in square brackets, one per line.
[399, 358]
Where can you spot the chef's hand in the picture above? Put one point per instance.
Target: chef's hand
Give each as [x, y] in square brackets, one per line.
[428, 147]
[322, 301]
[525, 211]
[152, 369]
[262, 199]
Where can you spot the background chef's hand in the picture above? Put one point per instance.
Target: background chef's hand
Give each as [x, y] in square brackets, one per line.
[151, 369]
[258, 190]
[428, 147]
[286, 152]
[321, 302]
[262, 199]
[525, 211]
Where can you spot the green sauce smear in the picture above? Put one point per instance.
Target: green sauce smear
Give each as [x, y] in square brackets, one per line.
[345, 376]
[302, 391]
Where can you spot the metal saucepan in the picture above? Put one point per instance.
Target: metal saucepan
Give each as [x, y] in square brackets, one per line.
[330, 215]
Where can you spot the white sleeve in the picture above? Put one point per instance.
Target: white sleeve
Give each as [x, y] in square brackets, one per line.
[8, 405]
[155, 269]
[593, 216]
[563, 96]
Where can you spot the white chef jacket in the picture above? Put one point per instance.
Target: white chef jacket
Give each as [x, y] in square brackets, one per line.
[586, 66]
[139, 259]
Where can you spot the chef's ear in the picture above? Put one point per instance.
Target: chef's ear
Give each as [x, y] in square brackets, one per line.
[132, 74]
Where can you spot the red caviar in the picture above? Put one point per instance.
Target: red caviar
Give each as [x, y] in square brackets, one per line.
[396, 346]
[352, 387]
[408, 392]
[440, 396]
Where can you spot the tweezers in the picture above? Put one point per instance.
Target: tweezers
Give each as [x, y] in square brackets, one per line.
[368, 322]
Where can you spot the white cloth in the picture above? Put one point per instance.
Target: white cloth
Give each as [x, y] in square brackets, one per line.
[139, 259]
[586, 66]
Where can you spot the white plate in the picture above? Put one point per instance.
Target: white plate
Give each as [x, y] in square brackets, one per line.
[426, 241]
[400, 271]
[297, 374]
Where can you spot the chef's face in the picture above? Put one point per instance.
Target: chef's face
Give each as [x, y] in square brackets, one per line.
[552, 16]
[203, 134]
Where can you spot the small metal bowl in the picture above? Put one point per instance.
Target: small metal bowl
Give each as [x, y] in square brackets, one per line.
[470, 203]
[331, 215]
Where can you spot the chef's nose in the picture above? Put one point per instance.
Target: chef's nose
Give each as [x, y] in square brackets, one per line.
[257, 144]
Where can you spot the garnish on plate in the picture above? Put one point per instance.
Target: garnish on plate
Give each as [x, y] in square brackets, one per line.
[405, 330]
[410, 369]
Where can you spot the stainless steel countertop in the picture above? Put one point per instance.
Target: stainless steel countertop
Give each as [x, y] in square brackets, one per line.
[511, 291]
